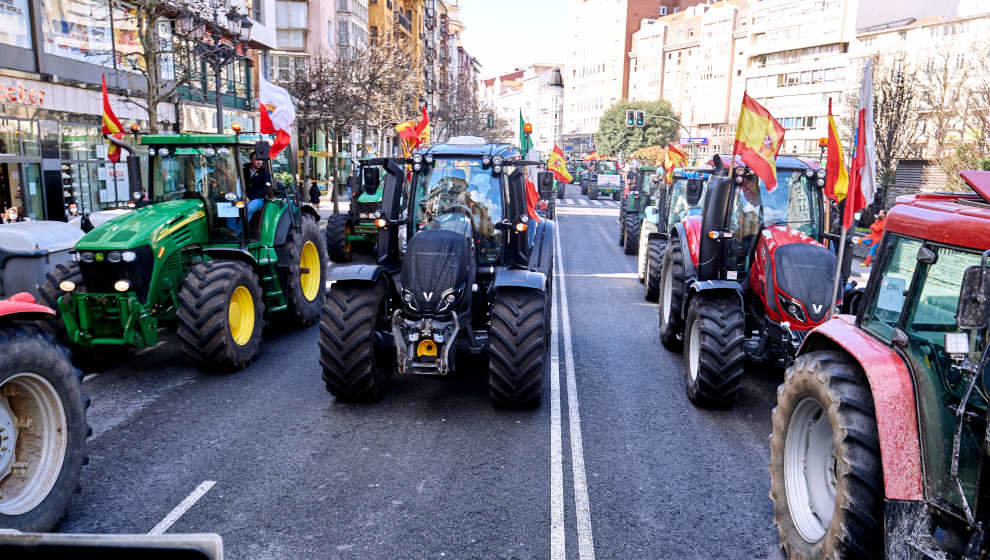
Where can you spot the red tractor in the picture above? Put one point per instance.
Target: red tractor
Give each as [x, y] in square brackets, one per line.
[42, 420]
[880, 443]
[748, 278]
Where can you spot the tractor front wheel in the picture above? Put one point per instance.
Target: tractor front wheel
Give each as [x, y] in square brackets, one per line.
[673, 286]
[302, 267]
[826, 478]
[221, 315]
[713, 349]
[517, 347]
[654, 270]
[616, 196]
[352, 369]
[633, 223]
[560, 191]
[593, 192]
[42, 430]
[338, 247]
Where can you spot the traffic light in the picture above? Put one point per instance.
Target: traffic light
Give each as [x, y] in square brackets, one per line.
[641, 118]
[630, 118]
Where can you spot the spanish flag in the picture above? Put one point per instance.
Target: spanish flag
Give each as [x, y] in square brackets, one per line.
[557, 164]
[837, 177]
[423, 129]
[673, 158]
[758, 140]
[111, 125]
[408, 136]
[593, 156]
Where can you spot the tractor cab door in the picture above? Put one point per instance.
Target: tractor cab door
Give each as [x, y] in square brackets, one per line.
[913, 307]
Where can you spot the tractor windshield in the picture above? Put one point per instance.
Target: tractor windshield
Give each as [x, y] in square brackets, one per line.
[204, 170]
[461, 186]
[792, 203]
[606, 166]
[678, 204]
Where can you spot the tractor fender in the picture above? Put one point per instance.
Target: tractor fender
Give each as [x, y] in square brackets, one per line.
[231, 254]
[541, 254]
[361, 274]
[516, 278]
[690, 266]
[310, 211]
[711, 287]
[282, 229]
[21, 306]
[893, 400]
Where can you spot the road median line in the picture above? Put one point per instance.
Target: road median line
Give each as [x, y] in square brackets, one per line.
[182, 508]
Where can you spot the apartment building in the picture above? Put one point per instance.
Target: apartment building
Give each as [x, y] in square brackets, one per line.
[352, 26]
[646, 61]
[537, 92]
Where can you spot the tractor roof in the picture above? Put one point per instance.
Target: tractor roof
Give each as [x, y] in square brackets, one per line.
[959, 219]
[647, 168]
[506, 151]
[167, 139]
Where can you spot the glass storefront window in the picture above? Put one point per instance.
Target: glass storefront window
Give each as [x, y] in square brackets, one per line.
[19, 137]
[15, 23]
[79, 141]
[78, 29]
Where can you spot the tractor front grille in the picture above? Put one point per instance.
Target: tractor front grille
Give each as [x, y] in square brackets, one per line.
[100, 276]
[366, 210]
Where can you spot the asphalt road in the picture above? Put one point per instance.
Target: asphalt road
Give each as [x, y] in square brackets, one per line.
[616, 463]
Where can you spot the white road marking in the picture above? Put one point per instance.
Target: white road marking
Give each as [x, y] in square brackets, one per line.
[182, 508]
[90, 377]
[583, 202]
[572, 201]
[582, 505]
[558, 550]
[594, 203]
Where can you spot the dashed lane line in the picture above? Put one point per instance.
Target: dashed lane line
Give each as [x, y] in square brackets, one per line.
[182, 508]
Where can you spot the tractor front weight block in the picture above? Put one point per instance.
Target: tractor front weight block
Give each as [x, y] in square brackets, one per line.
[93, 319]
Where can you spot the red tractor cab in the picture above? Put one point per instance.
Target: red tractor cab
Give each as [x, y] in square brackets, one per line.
[880, 437]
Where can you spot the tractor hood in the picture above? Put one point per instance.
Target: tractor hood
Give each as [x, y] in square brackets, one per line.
[376, 197]
[145, 226]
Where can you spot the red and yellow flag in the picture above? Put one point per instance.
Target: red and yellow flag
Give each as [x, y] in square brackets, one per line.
[111, 125]
[423, 129]
[408, 136]
[758, 140]
[673, 158]
[593, 156]
[557, 164]
[837, 177]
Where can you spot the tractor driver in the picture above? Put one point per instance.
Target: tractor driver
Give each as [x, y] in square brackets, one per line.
[259, 183]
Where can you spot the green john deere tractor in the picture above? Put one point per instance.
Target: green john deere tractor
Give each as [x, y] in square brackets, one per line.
[356, 231]
[605, 179]
[633, 207]
[196, 256]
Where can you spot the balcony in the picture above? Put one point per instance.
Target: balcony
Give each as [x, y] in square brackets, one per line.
[403, 21]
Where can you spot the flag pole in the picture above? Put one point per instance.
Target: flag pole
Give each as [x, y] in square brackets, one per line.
[838, 269]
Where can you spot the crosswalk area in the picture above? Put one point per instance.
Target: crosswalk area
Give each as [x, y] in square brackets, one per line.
[585, 202]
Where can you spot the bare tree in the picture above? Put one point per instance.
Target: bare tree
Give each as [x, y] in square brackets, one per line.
[895, 112]
[941, 95]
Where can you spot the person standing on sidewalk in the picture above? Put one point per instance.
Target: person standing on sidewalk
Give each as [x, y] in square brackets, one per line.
[314, 194]
[876, 233]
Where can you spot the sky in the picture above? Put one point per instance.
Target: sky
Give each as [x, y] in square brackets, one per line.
[505, 34]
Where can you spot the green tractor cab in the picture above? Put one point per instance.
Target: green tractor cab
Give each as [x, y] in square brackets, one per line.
[637, 195]
[197, 256]
[356, 231]
[605, 179]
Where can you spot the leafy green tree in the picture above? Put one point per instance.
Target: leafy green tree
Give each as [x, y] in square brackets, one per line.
[613, 134]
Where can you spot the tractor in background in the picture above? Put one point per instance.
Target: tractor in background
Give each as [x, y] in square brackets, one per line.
[475, 278]
[606, 179]
[356, 231]
[880, 441]
[636, 197]
[195, 259]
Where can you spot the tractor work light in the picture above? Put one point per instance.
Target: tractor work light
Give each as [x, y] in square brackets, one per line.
[486, 161]
[128, 256]
[210, 152]
[114, 256]
[417, 158]
[739, 179]
[417, 167]
[809, 172]
[163, 152]
[380, 222]
[497, 169]
[87, 257]
[740, 171]
[223, 151]
[521, 227]
[428, 158]
[820, 173]
[67, 286]
[497, 160]
[122, 285]
[820, 182]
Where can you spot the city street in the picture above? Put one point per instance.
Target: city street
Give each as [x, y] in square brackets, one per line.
[616, 463]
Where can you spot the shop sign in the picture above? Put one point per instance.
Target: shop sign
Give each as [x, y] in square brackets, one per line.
[196, 118]
[17, 93]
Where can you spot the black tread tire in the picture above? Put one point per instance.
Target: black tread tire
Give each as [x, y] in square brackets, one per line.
[654, 268]
[721, 328]
[616, 196]
[841, 387]
[593, 192]
[517, 348]
[204, 300]
[560, 190]
[337, 246]
[28, 349]
[302, 312]
[633, 225]
[351, 370]
[622, 226]
[673, 260]
[89, 359]
[584, 187]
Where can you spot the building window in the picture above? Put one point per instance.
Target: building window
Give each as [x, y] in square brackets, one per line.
[663, 10]
[287, 67]
[291, 24]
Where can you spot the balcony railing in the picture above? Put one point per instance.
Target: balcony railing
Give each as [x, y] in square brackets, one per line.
[403, 21]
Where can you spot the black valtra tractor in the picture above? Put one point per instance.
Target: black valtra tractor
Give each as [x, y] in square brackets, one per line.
[474, 278]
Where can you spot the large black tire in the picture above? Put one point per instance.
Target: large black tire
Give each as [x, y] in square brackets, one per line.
[87, 358]
[517, 348]
[338, 248]
[561, 190]
[673, 282]
[209, 330]
[622, 226]
[654, 269]
[584, 186]
[304, 287]
[631, 241]
[616, 195]
[713, 349]
[32, 365]
[837, 385]
[352, 370]
[593, 191]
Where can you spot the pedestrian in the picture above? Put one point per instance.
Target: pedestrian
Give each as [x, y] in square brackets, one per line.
[259, 184]
[72, 211]
[314, 194]
[12, 215]
[352, 185]
[876, 233]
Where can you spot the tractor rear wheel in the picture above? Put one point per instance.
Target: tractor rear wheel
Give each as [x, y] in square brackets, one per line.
[593, 192]
[338, 247]
[517, 348]
[221, 315]
[622, 226]
[616, 196]
[43, 424]
[654, 270]
[584, 187]
[642, 252]
[713, 349]
[560, 190]
[352, 369]
[633, 224]
[302, 268]
[673, 286]
[827, 489]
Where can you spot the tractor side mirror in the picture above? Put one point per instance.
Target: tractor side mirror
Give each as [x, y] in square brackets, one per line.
[262, 149]
[656, 178]
[693, 194]
[652, 214]
[974, 298]
[371, 179]
[545, 180]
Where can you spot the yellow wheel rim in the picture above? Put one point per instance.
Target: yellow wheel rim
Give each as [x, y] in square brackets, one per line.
[309, 274]
[240, 315]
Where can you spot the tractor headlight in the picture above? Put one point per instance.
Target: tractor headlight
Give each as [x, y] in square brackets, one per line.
[417, 158]
[792, 308]
[223, 151]
[497, 169]
[417, 167]
[122, 285]
[739, 180]
[820, 182]
[497, 160]
[163, 152]
[114, 256]
[210, 152]
[820, 173]
[87, 257]
[809, 173]
[128, 256]
[67, 286]
[740, 171]
[378, 213]
[486, 161]
[428, 158]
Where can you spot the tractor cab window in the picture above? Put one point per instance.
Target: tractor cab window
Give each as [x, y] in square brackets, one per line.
[884, 310]
[180, 172]
[458, 186]
[606, 166]
[677, 199]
